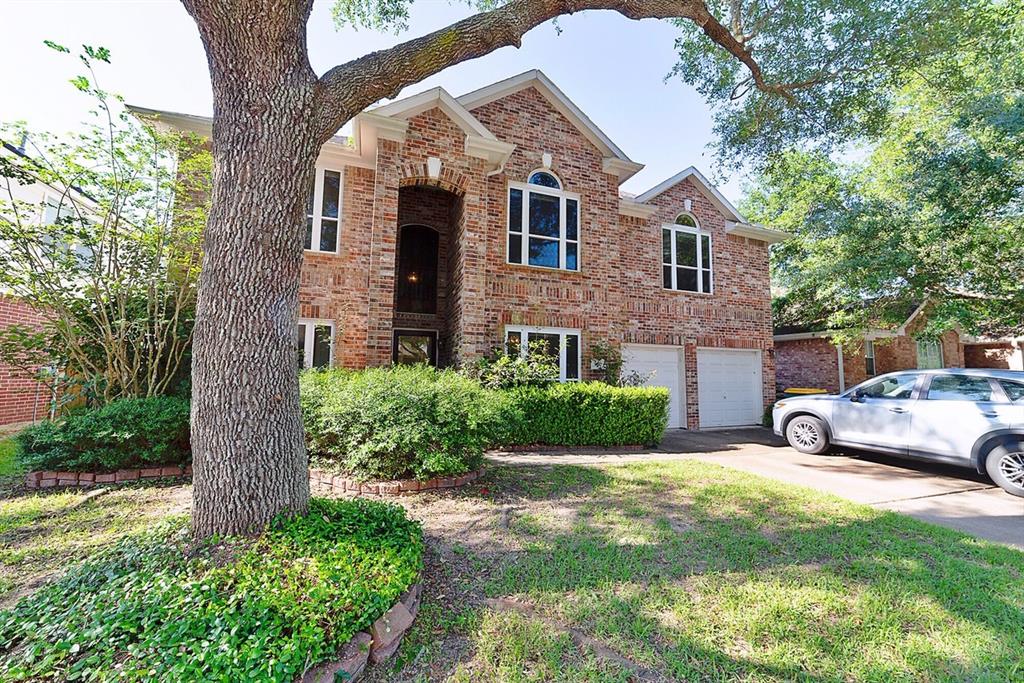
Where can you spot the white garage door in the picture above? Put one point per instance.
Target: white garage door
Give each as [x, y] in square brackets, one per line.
[664, 366]
[728, 387]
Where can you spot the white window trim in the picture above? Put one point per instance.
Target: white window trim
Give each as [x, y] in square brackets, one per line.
[524, 225]
[869, 352]
[938, 344]
[700, 258]
[524, 346]
[318, 208]
[307, 344]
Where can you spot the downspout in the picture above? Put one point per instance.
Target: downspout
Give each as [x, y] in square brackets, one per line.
[842, 371]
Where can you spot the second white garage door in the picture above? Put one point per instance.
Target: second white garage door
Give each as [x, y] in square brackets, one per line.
[663, 366]
[728, 387]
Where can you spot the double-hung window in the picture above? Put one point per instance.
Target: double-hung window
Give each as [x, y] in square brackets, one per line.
[869, 358]
[686, 256]
[560, 343]
[543, 223]
[323, 212]
[315, 342]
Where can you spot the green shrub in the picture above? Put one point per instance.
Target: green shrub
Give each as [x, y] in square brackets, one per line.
[507, 368]
[129, 432]
[391, 423]
[582, 414]
[151, 608]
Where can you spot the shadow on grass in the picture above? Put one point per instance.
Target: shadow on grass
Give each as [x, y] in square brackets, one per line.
[707, 573]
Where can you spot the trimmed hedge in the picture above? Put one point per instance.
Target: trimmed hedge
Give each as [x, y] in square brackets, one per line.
[129, 432]
[582, 414]
[155, 608]
[396, 423]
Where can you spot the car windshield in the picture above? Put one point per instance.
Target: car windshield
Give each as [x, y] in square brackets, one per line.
[894, 386]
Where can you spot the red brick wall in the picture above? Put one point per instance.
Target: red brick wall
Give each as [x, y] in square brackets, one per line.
[1000, 356]
[900, 353]
[811, 363]
[21, 397]
[616, 296]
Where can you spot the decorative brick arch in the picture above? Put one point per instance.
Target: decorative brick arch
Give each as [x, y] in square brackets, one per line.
[449, 179]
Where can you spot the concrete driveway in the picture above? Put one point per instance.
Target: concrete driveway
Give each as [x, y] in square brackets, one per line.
[951, 496]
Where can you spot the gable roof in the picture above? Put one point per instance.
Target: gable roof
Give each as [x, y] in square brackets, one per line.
[703, 184]
[411, 106]
[735, 223]
[616, 162]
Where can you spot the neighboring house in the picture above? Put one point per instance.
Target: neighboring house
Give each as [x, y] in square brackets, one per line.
[446, 227]
[809, 358]
[22, 399]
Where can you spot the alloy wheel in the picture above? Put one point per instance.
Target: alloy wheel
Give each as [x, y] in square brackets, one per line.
[1011, 466]
[805, 434]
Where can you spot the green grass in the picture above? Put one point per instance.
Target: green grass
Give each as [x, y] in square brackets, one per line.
[706, 574]
[41, 534]
[8, 460]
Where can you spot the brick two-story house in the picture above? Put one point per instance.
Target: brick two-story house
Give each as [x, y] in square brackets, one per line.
[445, 227]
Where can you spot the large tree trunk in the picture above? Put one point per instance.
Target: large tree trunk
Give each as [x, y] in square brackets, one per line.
[247, 437]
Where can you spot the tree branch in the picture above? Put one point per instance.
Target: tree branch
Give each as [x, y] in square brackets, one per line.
[347, 89]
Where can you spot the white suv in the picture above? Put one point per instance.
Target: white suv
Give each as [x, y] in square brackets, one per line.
[972, 418]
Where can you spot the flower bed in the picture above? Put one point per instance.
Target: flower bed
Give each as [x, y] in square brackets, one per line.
[155, 607]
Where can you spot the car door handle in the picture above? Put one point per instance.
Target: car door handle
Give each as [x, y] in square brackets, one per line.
[897, 410]
[990, 413]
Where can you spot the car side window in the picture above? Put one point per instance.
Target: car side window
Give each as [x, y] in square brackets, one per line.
[896, 386]
[960, 388]
[1014, 390]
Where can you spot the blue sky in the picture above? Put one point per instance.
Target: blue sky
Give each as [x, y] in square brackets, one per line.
[613, 68]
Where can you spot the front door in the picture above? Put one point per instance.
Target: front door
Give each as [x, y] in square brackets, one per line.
[878, 414]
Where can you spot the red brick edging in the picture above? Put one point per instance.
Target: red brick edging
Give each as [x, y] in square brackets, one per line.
[545, 448]
[375, 646]
[48, 479]
[339, 483]
[317, 480]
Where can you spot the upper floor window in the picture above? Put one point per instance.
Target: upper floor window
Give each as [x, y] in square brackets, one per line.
[869, 357]
[323, 212]
[543, 223]
[686, 256]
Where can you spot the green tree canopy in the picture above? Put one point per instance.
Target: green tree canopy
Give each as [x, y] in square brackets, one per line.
[932, 211]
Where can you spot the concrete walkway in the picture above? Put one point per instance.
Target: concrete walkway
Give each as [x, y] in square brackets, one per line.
[951, 496]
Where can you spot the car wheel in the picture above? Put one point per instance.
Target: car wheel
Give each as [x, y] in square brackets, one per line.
[1005, 464]
[807, 434]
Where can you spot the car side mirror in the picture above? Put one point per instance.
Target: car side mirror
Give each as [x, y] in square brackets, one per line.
[857, 397]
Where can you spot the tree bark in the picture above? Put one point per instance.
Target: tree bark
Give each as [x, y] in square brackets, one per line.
[248, 447]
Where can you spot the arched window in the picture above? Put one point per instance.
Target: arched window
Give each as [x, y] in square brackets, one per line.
[686, 256]
[544, 179]
[687, 220]
[417, 270]
[543, 223]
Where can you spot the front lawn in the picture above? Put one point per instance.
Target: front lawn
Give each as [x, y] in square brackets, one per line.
[688, 571]
[646, 571]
